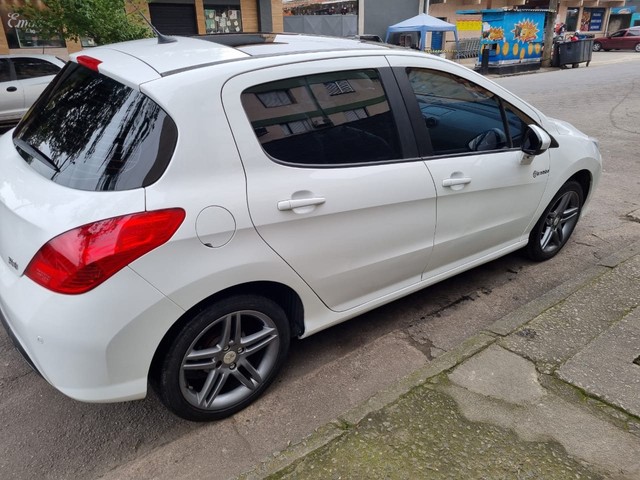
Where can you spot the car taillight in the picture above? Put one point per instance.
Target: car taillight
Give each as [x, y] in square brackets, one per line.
[81, 259]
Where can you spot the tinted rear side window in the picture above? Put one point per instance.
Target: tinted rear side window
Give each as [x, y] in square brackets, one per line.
[329, 119]
[90, 132]
[5, 72]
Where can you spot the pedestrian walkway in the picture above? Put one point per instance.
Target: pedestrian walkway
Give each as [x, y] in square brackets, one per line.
[552, 390]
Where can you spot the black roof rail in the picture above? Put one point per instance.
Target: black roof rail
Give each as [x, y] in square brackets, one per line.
[240, 39]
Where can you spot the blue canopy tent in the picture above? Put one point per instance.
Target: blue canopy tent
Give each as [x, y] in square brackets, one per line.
[422, 24]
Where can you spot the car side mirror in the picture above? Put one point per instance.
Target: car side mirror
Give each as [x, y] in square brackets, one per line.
[536, 141]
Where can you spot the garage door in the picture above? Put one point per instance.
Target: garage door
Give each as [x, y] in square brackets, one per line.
[174, 19]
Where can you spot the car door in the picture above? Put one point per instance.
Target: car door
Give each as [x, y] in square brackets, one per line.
[631, 39]
[616, 40]
[334, 182]
[11, 93]
[488, 191]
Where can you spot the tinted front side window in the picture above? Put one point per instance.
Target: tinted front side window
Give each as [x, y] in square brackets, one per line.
[33, 67]
[326, 119]
[90, 132]
[517, 123]
[461, 116]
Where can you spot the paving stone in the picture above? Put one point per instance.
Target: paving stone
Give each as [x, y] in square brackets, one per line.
[560, 332]
[605, 368]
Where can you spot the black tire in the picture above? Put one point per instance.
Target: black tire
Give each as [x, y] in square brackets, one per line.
[597, 47]
[637, 48]
[237, 346]
[557, 223]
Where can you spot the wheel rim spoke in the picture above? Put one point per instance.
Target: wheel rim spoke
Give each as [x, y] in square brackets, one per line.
[212, 386]
[259, 340]
[252, 381]
[562, 205]
[558, 235]
[569, 213]
[230, 327]
[546, 237]
[208, 353]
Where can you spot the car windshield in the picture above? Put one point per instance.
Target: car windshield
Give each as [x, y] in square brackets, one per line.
[90, 132]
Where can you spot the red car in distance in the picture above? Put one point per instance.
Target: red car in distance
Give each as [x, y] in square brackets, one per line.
[625, 39]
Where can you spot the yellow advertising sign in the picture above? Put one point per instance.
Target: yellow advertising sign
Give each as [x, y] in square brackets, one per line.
[469, 25]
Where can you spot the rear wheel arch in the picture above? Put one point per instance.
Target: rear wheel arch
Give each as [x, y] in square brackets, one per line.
[279, 293]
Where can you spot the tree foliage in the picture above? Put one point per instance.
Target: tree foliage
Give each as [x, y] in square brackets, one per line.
[106, 21]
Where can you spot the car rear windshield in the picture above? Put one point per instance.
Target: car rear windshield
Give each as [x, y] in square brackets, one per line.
[90, 132]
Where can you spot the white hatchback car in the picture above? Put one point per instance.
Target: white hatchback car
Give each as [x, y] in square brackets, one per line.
[174, 213]
[23, 77]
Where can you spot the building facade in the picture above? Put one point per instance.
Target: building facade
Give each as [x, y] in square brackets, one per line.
[193, 17]
[170, 17]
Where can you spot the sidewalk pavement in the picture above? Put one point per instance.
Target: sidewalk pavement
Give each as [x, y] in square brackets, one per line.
[598, 59]
[550, 391]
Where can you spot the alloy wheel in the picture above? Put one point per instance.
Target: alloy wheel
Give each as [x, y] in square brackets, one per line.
[560, 222]
[229, 360]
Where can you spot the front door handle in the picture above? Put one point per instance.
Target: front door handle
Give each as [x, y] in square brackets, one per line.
[450, 182]
[290, 204]
[12, 89]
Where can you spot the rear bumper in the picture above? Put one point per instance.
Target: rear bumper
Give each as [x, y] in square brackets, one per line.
[17, 344]
[95, 347]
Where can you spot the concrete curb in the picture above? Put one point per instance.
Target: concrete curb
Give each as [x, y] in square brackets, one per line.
[447, 361]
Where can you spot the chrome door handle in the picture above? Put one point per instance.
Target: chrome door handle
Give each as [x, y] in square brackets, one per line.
[290, 204]
[449, 182]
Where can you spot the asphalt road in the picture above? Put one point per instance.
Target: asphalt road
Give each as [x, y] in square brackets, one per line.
[45, 435]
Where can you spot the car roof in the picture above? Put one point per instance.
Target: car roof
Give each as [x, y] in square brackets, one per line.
[184, 53]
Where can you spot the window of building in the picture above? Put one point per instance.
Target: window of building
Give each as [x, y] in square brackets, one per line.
[326, 130]
[591, 19]
[275, 98]
[222, 19]
[339, 87]
[357, 114]
[572, 19]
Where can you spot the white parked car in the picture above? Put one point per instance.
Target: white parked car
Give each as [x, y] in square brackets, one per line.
[23, 77]
[174, 213]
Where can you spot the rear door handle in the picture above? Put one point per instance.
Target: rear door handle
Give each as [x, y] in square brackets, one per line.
[450, 182]
[290, 204]
[12, 89]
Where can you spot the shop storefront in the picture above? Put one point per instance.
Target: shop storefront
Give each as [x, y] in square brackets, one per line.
[225, 17]
[585, 20]
[623, 17]
[15, 33]
[192, 17]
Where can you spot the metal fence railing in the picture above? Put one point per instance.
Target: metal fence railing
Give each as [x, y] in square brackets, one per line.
[467, 47]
